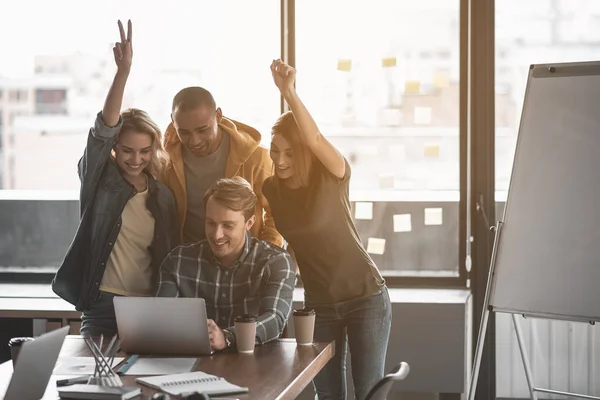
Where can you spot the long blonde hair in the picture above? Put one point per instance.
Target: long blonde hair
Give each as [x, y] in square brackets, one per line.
[138, 120]
[287, 127]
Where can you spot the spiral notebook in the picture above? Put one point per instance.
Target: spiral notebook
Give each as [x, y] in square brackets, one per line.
[178, 384]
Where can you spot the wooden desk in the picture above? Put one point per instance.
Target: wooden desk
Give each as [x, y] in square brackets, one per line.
[276, 370]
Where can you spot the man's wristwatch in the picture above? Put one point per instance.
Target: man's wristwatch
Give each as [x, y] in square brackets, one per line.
[229, 338]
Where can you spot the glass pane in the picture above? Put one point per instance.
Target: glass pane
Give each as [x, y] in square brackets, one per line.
[534, 32]
[381, 78]
[56, 82]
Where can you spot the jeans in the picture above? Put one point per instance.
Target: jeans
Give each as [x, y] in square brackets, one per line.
[363, 325]
[100, 319]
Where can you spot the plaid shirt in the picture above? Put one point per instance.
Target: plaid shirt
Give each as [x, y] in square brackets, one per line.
[261, 283]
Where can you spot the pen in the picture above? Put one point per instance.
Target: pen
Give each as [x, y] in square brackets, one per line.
[72, 381]
[125, 367]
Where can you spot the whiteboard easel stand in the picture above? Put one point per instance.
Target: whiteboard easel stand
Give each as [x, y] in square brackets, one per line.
[517, 325]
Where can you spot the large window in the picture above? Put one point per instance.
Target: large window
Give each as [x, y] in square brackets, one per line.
[534, 32]
[67, 68]
[382, 80]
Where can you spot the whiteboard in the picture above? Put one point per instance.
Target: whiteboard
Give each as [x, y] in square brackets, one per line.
[548, 248]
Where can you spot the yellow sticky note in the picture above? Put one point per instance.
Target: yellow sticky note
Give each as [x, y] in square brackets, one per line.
[402, 223]
[433, 216]
[422, 115]
[386, 181]
[344, 64]
[441, 79]
[388, 62]
[412, 87]
[431, 150]
[376, 246]
[363, 210]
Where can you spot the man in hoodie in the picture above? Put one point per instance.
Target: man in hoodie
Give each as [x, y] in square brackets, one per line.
[203, 147]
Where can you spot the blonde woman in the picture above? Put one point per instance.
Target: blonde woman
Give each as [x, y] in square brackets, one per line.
[128, 219]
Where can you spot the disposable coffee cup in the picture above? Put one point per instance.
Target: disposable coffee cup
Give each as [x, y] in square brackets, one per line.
[15, 346]
[304, 326]
[245, 333]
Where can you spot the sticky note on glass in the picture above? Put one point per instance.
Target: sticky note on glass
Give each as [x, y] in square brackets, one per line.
[363, 210]
[422, 115]
[431, 150]
[402, 223]
[376, 246]
[388, 62]
[344, 64]
[397, 151]
[412, 87]
[433, 216]
[386, 181]
[441, 80]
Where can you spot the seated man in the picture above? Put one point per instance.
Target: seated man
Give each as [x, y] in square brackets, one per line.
[234, 272]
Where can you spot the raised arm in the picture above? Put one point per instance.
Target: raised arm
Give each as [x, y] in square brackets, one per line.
[102, 135]
[284, 77]
[123, 53]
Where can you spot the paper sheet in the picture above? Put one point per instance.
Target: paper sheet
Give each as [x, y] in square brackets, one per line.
[397, 152]
[386, 181]
[431, 150]
[376, 246]
[344, 65]
[388, 62]
[161, 366]
[78, 365]
[441, 79]
[412, 87]
[422, 115]
[402, 223]
[363, 210]
[433, 216]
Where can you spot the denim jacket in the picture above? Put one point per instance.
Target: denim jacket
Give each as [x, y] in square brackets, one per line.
[103, 196]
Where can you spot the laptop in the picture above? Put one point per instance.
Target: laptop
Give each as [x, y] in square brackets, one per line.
[162, 325]
[35, 365]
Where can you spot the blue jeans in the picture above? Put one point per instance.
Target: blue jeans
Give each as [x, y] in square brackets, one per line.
[100, 319]
[363, 324]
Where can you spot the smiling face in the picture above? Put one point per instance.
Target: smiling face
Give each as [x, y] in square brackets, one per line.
[198, 128]
[226, 231]
[282, 155]
[133, 152]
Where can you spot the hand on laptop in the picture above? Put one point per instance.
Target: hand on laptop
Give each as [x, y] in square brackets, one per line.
[216, 336]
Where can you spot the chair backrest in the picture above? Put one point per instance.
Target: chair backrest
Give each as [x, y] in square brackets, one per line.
[383, 387]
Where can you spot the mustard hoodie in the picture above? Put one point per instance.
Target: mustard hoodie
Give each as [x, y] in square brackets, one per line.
[246, 159]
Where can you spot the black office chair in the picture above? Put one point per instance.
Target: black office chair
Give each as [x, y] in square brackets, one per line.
[383, 387]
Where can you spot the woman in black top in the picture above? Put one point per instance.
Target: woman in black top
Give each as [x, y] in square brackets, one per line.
[128, 219]
[309, 199]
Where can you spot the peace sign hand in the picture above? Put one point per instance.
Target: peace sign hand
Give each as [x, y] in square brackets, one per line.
[123, 50]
